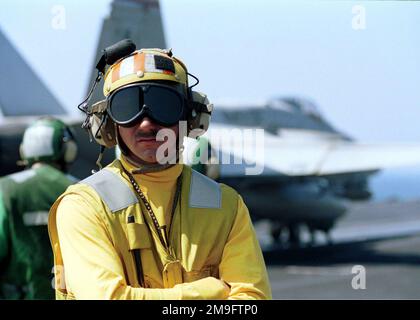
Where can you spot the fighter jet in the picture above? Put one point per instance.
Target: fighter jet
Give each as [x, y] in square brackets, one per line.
[24, 98]
[307, 167]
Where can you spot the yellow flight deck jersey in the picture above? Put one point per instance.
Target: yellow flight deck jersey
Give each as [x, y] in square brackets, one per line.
[210, 237]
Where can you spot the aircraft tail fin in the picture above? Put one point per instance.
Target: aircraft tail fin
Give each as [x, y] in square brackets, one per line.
[22, 93]
[138, 20]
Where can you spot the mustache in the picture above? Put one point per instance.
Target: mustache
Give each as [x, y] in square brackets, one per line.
[148, 134]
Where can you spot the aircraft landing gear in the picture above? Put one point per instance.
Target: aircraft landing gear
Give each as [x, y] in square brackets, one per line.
[286, 235]
[312, 236]
[328, 237]
[295, 236]
[276, 231]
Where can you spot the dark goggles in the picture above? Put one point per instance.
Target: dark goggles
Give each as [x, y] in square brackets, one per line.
[164, 104]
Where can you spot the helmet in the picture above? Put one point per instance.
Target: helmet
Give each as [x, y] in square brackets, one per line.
[151, 66]
[145, 65]
[48, 140]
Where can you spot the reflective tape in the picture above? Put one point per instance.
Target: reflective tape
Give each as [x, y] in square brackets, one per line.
[116, 194]
[204, 192]
[35, 218]
[22, 176]
[126, 67]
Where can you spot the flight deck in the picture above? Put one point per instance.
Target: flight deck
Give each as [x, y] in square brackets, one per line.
[380, 240]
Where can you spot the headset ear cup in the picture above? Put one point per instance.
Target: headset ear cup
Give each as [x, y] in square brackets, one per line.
[199, 121]
[70, 151]
[103, 133]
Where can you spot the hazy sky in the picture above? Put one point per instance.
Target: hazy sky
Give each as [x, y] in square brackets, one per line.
[365, 81]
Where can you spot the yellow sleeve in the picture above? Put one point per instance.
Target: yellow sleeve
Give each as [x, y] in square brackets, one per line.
[93, 269]
[242, 264]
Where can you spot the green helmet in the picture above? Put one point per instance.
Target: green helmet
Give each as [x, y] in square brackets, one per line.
[48, 140]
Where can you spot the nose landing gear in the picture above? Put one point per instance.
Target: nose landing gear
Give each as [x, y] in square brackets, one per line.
[297, 235]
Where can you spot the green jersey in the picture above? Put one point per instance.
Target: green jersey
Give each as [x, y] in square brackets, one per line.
[25, 252]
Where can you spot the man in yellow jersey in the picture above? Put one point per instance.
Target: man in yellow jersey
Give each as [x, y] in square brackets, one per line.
[142, 228]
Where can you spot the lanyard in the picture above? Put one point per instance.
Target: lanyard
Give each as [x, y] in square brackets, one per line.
[159, 229]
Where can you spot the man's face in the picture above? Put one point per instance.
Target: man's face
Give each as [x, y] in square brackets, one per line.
[141, 140]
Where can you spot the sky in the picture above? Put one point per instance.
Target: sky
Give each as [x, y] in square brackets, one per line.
[358, 61]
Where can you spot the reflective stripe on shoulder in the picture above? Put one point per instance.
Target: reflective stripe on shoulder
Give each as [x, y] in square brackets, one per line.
[22, 176]
[204, 192]
[116, 194]
[36, 218]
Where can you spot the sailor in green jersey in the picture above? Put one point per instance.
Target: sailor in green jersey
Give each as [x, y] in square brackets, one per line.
[26, 261]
